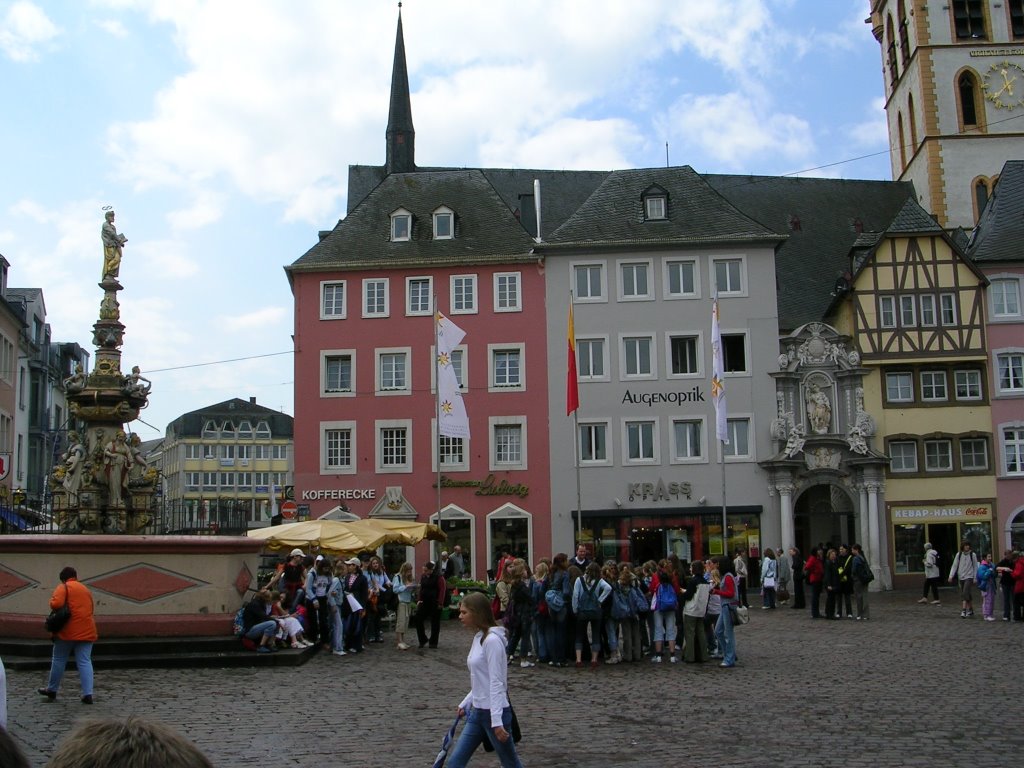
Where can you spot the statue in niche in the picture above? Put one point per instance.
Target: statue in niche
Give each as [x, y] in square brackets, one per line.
[76, 381]
[780, 423]
[795, 443]
[862, 428]
[113, 246]
[117, 462]
[819, 409]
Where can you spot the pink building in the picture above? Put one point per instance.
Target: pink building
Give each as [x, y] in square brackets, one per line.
[998, 247]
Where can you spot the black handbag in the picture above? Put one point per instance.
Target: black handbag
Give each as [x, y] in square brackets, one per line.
[59, 616]
[517, 733]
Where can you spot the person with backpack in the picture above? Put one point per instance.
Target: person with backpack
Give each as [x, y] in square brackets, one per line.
[986, 580]
[428, 608]
[519, 616]
[587, 595]
[626, 593]
[931, 574]
[964, 571]
[729, 593]
[844, 599]
[862, 577]
[664, 601]
[556, 588]
[769, 579]
[814, 573]
[1004, 568]
[697, 593]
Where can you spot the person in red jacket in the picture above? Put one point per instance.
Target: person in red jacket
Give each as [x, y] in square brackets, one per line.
[1018, 588]
[814, 569]
[77, 636]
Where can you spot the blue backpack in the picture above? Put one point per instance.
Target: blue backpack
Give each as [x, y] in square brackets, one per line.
[622, 608]
[588, 608]
[667, 598]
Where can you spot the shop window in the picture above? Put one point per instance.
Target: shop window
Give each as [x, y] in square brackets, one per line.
[508, 530]
[908, 546]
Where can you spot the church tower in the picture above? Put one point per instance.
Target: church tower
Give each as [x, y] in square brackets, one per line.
[401, 136]
[954, 97]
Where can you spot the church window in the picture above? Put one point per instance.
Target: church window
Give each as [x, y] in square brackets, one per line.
[904, 33]
[967, 90]
[969, 19]
[894, 72]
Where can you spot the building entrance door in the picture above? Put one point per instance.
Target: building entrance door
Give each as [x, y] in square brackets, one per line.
[944, 539]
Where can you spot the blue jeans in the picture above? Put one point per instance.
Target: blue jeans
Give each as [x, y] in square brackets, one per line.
[540, 638]
[338, 630]
[725, 636]
[62, 649]
[556, 636]
[265, 629]
[478, 728]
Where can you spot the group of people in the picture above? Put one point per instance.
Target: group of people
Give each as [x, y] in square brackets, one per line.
[342, 604]
[973, 575]
[842, 574]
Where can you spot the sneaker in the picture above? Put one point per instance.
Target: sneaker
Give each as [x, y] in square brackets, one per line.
[656, 659]
[857, 618]
[297, 644]
[936, 602]
[963, 614]
[673, 659]
[403, 647]
[306, 644]
[1006, 618]
[723, 664]
[339, 653]
[87, 699]
[970, 613]
[51, 695]
[923, 600]
[990, 618]
[526, 664]
[264, 649]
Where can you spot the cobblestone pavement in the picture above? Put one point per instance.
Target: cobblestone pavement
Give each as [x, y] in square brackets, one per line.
[900, 689]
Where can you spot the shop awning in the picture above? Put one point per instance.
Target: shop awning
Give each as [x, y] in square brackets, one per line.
[11, 517]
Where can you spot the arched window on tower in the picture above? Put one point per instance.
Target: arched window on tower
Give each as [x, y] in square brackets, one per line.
[913, 123]
[905, 33]
[894, 72]
[968, 92]
[983, 187]
[902, 141]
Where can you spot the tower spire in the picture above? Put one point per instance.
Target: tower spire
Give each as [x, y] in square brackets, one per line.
[401, 136]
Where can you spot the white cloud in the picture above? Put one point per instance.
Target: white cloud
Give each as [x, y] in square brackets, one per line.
[113, 27]
[206, 208]
[24, 29]
[159, 259]
[739, 132]
[260, 319]
[874, 130]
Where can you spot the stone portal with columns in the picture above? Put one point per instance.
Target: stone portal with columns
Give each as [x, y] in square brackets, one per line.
[823, 436]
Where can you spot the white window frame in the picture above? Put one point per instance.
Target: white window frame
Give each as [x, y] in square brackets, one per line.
[377, 384]
[655, 207]
[462, 466]
[378, 449]
[1017, 441]
[517, 279]
[325, 355]
[908, 311]
[439, 213]
[890, 374]
[933, 379]
[713, 276]
[506, 512]
[193, 480]
[972, 380]
[652, 346]
[961, 443]
[604, 424]
[948, 310]
[401, 213]
[748, 371]
[698, 337]
[751, 454]
[492, 350]
[916, 451]
[1005, 281]
[647, 266]
[409, 310]
[605, 362]
[493, 422]
[929, 315]
[655, 442]
[997, 355]
[459, 352]
[194, 451]
[342, 288]
[666, 277]
[949, 454]
[473, 282]
[263, 431]
[886, 311]
[386, 311]
[602, 268]
[674, 457]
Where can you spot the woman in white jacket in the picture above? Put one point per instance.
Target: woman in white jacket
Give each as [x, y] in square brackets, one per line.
[486, 706]
[931, 574]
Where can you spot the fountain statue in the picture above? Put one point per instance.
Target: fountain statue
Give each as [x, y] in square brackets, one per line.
[102, 484]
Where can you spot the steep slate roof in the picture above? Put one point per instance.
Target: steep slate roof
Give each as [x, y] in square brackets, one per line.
[561, 192]
[822, 218]
[614, 215]
[485, 228]
[1000, 232]
[191, 424]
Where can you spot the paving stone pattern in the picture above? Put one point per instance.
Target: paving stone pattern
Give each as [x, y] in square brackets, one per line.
[900, 689]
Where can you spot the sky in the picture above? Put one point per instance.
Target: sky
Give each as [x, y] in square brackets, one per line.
[221, 133]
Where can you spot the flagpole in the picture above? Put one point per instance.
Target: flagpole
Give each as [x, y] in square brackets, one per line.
[572, 405]
[721, 415]
[725, 521]
[576, 461]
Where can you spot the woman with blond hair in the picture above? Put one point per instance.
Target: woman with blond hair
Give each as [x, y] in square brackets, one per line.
[541, 615]
[404, 585]
[486, 707]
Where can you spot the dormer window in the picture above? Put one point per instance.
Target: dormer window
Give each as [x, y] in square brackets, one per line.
[210, 429]
[401, 225]
[655, 201]
[444, 224]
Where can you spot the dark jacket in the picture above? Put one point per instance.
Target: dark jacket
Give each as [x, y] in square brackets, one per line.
[360, 590]
[845, 572]
[255, 612]
[832, 575]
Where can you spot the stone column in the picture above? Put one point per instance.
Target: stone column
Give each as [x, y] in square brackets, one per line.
[862, 515]
[873, 489]
[786, 513]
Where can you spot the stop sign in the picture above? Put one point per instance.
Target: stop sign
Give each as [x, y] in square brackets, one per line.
[288, 510]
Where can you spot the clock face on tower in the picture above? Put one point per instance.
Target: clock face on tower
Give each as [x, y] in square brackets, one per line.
[1003, 84]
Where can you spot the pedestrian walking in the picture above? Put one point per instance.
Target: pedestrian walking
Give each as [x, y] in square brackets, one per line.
[862, 577]
[76, 637]
[797, 564]
[486, 706]
[931, 574]
[963, 573]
